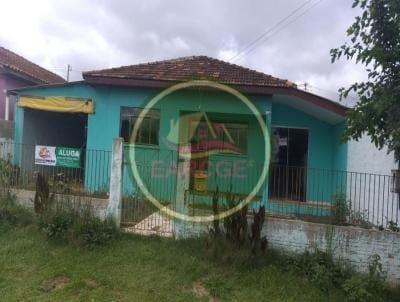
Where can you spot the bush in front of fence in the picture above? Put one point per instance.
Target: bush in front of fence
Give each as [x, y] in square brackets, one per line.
[367, 287]
[344, 214]
[55, 222]
[14, 215]
[66, 220]
[317, 267]
[70, 218]
[74, 221]
[235, 229]
[320, 268]
[88, 229]
[228, 246]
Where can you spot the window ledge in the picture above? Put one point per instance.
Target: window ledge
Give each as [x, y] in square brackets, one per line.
[142, 146]
[307, 204]
[217, 156]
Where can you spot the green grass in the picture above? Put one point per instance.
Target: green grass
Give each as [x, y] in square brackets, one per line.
[134, 268]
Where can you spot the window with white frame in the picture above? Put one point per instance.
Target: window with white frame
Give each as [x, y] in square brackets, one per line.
[149, 125]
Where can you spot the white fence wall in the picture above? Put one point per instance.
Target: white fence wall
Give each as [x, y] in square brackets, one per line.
[352, 245]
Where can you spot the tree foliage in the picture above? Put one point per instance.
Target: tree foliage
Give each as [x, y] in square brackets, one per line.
[375, 43]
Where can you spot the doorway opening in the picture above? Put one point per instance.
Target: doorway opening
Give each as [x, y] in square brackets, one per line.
[288, 178]
[53, 129]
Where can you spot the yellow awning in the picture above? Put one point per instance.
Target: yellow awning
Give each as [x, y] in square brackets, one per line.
[57, 104]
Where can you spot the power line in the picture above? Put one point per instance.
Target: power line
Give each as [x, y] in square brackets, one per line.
[253, 45]
[56, 68]
[281, 28]
[269, 30]
[350, 99]
[315, 87]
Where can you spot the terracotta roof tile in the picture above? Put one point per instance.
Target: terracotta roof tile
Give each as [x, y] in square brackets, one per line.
[192, 68]
[27, 68]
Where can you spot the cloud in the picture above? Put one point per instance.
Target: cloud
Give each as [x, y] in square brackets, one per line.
[100, 34]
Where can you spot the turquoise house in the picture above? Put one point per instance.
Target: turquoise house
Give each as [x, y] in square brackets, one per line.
[224, 142]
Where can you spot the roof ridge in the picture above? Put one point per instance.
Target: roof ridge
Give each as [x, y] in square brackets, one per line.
[249, 76]
[143, 63]
[29, 62]
[249, 69]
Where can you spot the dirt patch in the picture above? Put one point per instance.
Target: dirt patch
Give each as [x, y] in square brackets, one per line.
[55, 284]
[200, 291]
[91, 283]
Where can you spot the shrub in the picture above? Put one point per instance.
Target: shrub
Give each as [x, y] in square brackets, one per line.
[367, 287]
[360, 219]
[43, 199]
[393, 226]
[5, 173]
[91, 230]
[342, 209]
[221, 250]
[235, 228]
[55, 221]
[256, 229]
[9, 175]
[320, 268]
[76, 223]
[343, 213]
[14, 214]
[356, 289]
[55, 224]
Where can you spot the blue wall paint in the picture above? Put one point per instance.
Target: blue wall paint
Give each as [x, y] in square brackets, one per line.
[325, 151]
[326, 155]
[322, 136]
[340, 149]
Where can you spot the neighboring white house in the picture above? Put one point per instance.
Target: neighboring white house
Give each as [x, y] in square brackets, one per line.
[371, 190]
[364, 157]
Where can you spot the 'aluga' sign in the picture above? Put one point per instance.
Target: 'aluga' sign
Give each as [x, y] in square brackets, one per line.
[58, 156]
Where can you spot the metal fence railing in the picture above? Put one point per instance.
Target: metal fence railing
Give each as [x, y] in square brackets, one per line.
[91, 176]
[335, 196]
[339, 197]
[321, 195]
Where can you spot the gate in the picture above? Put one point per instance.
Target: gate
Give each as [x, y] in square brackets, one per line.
[159, 175]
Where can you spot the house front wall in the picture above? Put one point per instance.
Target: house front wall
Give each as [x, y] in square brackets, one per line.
[325, 152]
[326, 158]
[104, 125]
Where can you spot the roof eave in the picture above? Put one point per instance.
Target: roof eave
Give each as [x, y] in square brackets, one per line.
[21, 75]
[17, 90]
[250, 89]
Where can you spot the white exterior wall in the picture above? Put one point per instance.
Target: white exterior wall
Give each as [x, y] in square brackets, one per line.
[370, 189]
[364, 157]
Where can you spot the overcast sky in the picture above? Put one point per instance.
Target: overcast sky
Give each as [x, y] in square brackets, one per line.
[105, 33]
